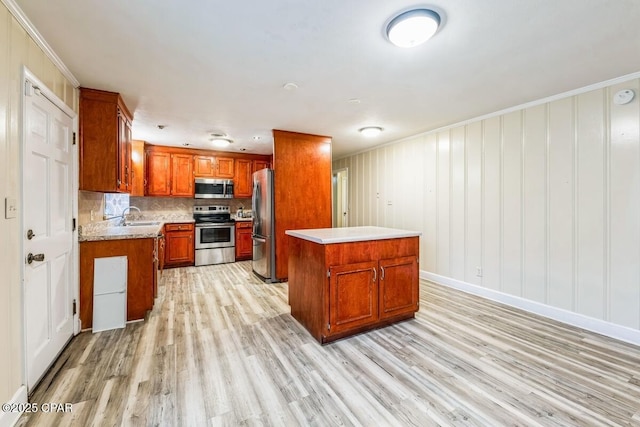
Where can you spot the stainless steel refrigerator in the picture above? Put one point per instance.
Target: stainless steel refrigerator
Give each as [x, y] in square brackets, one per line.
[264, 253]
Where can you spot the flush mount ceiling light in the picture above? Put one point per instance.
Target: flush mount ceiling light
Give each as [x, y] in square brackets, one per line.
[370, 131]
[413, 27]
[220, 142]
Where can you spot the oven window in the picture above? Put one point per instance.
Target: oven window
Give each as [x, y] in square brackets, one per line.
[215, 235]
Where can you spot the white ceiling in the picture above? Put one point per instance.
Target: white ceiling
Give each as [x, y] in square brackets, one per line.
[219, 66]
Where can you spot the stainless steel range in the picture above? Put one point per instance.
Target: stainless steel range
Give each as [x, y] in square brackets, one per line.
[215, 235]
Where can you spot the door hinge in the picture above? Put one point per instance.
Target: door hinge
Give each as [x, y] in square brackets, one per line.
[329, 273]
[74, 139]
[28, 88]
[74, 307]
[73, 224]
[328, 326]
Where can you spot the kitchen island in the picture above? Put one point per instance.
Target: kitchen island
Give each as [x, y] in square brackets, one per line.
[344, 281]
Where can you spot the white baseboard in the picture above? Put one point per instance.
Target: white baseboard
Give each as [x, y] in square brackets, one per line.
[602, 327]
[9, 419]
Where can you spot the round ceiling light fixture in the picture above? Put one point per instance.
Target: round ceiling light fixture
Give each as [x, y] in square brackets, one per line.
[220, 142]
[413, 27]
[370, 131]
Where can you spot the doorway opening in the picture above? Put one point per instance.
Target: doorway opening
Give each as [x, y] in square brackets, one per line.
[340, 182]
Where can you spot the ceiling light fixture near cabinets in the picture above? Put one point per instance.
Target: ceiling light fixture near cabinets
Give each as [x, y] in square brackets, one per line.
[370, 131]
[220, 142]
[413, 27]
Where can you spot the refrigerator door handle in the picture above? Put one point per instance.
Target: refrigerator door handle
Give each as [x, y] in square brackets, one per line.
[259, 239]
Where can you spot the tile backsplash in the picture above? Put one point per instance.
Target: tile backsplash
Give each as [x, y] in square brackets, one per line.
[115, 204]
[91, 206]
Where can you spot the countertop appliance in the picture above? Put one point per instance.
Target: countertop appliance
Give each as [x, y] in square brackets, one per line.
[215, 235]
[264, 254]
[207, 188]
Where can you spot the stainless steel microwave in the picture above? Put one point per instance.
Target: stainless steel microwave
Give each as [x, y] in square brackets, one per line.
[207, 188]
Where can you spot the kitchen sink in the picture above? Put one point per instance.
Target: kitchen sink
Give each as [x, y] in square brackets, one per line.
[140, 223]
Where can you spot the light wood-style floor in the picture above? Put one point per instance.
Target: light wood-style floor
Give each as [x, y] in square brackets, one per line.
[221, 349]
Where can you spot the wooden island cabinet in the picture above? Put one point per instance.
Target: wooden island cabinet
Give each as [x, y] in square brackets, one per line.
[343, 281]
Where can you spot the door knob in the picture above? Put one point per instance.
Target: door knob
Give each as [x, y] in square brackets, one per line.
[37, 257]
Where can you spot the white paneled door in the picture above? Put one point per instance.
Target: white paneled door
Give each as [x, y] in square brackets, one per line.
[48, 231]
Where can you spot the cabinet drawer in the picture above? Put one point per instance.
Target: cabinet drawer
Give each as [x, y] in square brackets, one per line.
[178, 227]
[243, 224]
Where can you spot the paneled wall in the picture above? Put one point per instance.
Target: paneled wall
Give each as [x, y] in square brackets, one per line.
[541, 203]
[16, 49]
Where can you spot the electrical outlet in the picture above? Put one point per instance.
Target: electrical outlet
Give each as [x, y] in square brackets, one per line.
[10, 207]
[92, 216]
[479, 271]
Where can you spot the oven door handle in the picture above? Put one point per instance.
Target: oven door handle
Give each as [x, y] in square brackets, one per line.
[215, 225]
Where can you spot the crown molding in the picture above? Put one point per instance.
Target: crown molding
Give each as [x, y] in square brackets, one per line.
[24, 21]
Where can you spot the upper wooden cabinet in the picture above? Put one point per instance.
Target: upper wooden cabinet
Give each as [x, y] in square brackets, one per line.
[170, 171]
[260, 164]
[204, 166]
[224, 167]
[242, 179]
[169, 174]
[137, 168]
[158, 173]
[105, 142]
[181, 175]
[213, 167]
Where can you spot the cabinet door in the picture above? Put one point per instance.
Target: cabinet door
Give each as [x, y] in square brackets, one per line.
[260, 164]
[224, 167]
[181, 175]
[179, 249]
[244, 244]
[242, 178]
[158, 174]
[137, 169]
[124, 153]
[353, 296]
[398, 288]
[204, 166]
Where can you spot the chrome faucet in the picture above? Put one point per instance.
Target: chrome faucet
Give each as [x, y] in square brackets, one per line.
[123, 221]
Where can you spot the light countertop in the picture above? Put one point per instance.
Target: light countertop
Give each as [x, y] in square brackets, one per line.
[326, 236]
[107, 230]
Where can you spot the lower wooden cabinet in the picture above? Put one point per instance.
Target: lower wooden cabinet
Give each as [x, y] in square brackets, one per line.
[179, 248]
[141, 274]
[244, 244]
[337, 290]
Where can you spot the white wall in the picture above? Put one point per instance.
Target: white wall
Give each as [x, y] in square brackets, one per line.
[545, 199]
[17, 48]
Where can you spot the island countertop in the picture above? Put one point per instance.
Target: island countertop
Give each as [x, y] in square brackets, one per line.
[325, 236]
